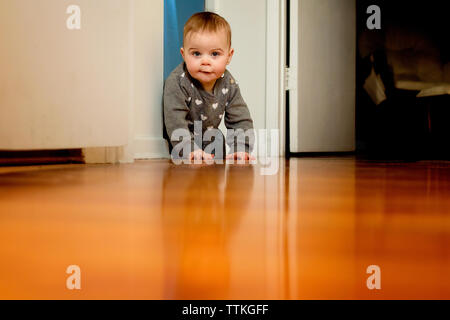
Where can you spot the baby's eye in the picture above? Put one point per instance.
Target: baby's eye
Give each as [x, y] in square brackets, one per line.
[215, 54]
[196, 53]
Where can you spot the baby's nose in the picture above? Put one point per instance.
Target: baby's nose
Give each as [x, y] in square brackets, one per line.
[205, 61]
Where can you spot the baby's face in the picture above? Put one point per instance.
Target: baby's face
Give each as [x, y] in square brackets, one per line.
[206, 55]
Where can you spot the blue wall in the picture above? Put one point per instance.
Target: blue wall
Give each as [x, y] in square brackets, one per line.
[176, 13]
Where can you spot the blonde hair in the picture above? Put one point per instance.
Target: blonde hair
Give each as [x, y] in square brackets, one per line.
[206, 21]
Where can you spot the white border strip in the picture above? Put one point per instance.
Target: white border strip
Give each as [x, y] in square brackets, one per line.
[293, 92]
[274, 70]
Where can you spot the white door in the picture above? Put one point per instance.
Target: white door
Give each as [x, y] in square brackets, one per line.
[322, 99]
[62, 88]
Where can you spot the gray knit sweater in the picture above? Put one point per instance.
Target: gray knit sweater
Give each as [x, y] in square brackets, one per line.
[185, 101]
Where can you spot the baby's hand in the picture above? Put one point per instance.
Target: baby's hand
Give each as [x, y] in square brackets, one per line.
[240, 156]
[199, 155]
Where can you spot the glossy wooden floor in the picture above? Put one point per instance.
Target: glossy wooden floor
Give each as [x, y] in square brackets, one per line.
[156, 230]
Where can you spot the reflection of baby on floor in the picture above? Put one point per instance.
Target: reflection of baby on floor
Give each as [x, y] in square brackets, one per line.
[202, 207]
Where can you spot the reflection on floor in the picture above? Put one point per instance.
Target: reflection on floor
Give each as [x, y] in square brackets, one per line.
[156, 230]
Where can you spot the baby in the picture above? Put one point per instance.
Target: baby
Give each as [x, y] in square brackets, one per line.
[200, 91]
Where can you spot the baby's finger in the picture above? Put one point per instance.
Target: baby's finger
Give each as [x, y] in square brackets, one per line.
[248, 156]
[207, 156]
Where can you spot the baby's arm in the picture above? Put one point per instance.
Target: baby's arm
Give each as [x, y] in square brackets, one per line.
[237, 116]
[176, 111]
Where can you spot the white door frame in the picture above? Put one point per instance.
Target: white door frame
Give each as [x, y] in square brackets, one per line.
[275, 69]
[293, 72]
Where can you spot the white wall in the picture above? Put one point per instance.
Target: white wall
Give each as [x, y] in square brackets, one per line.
[323, 120]
[63, 88]
[147, 81]
[94, 87]
[146, 53]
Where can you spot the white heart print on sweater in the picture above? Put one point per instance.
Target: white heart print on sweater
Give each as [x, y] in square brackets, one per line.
[225, 90]
[198, 102]
[215, 105]
[203, 117]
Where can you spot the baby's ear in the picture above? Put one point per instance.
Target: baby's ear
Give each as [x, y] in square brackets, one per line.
[182, 52]
[230, 55]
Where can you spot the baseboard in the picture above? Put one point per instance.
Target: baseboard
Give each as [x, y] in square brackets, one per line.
[102, 154]
[38, 157]
[150, 148]
[320, 154]
[142, 148]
